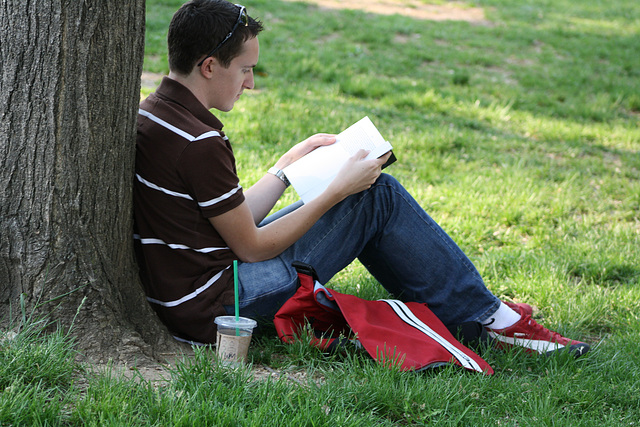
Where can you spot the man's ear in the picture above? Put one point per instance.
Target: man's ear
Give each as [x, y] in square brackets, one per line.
[208, 67]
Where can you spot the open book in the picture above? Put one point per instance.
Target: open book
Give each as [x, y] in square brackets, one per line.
[312, 174]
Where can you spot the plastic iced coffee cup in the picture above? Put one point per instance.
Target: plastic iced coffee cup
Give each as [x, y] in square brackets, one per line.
[233, 338]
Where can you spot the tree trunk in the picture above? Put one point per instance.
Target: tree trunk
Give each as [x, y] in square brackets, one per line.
[69, 91]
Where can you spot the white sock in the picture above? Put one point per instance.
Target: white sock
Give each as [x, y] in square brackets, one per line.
[504, 317]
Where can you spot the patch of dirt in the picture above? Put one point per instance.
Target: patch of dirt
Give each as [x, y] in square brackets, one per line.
[160, 375]
[150, 80]
[450, 11]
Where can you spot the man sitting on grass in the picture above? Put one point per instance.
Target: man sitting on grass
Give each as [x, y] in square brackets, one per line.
[193, 218]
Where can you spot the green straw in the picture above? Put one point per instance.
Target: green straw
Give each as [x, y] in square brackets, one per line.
[235, 293]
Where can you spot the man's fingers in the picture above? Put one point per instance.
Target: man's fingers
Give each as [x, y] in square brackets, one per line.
[383, 159]
[361, 154]
[320, 139]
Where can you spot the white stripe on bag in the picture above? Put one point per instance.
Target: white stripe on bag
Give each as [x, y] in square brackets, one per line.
[408, 317]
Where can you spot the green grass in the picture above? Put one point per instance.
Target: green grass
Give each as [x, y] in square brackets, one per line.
[519, 137]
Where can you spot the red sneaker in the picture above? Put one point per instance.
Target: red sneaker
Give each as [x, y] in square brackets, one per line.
[534, 337]
[526, 308]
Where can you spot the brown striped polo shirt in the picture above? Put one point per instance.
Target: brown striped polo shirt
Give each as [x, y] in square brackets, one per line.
[185, 173]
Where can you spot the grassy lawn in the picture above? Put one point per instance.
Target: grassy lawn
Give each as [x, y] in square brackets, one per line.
[518, 134]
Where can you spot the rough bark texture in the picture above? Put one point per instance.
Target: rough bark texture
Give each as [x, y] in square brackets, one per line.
[69, 90]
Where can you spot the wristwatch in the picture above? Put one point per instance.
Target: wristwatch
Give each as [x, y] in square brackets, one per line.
[277, 172]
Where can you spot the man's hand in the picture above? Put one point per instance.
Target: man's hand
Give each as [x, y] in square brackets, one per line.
[252, 244]
[357, 174]
[304, 147]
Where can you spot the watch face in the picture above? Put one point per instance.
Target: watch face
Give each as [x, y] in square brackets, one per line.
[280, 174]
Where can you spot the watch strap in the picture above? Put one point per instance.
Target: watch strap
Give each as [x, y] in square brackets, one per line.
[280, 174]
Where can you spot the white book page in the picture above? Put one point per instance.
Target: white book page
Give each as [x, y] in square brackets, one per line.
[363, 135]
[313, 173]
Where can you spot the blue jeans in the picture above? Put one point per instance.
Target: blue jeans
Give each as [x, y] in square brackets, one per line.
[394, 238]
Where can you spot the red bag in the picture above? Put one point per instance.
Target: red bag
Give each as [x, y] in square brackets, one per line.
[408, 335]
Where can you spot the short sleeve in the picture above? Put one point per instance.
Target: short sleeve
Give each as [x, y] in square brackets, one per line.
[208, 170]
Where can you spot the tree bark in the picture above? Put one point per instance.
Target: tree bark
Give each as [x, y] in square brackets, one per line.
[69, 91]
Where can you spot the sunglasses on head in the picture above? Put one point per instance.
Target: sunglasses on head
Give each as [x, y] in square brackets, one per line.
[242, 18]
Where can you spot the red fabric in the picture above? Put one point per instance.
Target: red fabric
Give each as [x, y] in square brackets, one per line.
[302, 308]
[383, 333]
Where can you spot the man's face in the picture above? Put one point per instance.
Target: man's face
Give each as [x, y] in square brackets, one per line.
[229, 83]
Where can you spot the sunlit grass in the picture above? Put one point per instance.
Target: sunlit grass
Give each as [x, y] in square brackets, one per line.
[519, 135]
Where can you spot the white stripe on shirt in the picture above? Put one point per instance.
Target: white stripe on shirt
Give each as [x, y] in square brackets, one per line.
[209, 134]
[219, 199]
[150, 241]
[190, 296]
[177, 131]
[164, 190]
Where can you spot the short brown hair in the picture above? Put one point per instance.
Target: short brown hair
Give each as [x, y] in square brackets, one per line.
[198, 26]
